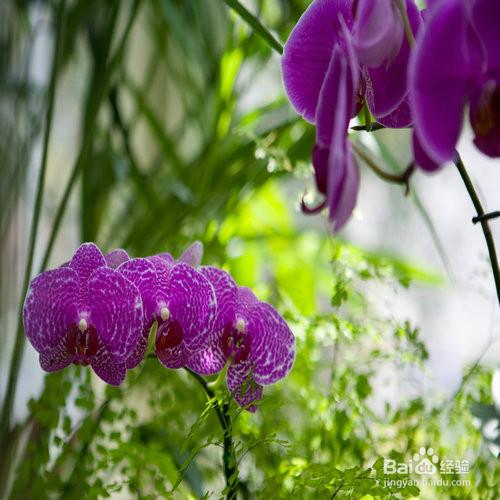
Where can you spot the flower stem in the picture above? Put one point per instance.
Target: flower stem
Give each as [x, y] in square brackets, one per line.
[229, 459]
[37, 212]
[99, 86]
[401, 5]
[403, 179]
[490, 242]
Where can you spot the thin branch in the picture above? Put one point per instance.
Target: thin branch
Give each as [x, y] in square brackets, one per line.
[255, 24]
[490, 242]
[372, 128]
[488, 216]
[402, 179]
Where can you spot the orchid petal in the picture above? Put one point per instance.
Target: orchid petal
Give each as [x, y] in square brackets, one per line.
[440, 78]
[421, 158]
[116, 257]
[210, 359]
[486, 15]
[349, 192]
[58, 358]
[191, 302]
[50, 308]
[377, 31]
[142, 273]
[107, 368]
[386, 85]
[273, 344]
[116, 312]
[193, 255]
[241, 384]
[308, 50]
[86, 260]
[226, 294]
[399, 118]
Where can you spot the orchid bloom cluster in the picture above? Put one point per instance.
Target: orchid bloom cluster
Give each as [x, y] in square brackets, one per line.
[408, 67]
[99, 310]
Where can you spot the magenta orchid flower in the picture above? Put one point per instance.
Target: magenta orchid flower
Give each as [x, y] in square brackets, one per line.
[252, 339]
[308, 52]
[377, 31]
[180, 299]
[457, 62]
[84, 313]
[330, 60]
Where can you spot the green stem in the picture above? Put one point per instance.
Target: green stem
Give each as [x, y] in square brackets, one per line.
[255, 24]
[19, 343]
[401, 5]
[229, 459]
[490, 242]
[99, 86]
[37, 211]
[98, 89]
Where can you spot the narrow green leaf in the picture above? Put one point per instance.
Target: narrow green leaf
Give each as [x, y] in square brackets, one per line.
[256, 25]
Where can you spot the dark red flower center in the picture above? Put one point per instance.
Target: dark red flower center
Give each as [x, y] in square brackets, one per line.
[487, 115]
[169, 335]
[82, 344]
[485, 120]
[235, 343]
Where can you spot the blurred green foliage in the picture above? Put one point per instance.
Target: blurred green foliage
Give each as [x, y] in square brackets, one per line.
[173, 149]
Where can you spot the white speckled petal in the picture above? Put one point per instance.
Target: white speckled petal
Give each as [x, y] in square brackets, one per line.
[105, 366]
[210, 359]
[142, 273]
[273, 344]
[116, 312]
[243, 387]
[86, 260]
[50, 308]
[226, 294]
[57, 359]
[192, 303]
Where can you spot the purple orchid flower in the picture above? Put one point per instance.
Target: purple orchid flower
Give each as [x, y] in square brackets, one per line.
[308, 52]
[324, 79]
[180, 299]
[377, 32]
[84, 313]
[116, 257]
[192, 255]
[333, 162]
[251, 338]
[457, 61]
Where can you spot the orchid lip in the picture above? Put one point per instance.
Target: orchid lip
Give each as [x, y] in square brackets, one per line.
[169, 335]
[235, 342]
[83, 344]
